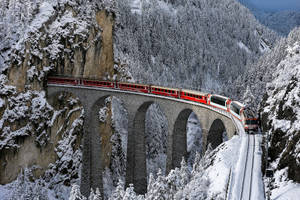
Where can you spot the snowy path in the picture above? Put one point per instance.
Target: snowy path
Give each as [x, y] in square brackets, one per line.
[247, 181]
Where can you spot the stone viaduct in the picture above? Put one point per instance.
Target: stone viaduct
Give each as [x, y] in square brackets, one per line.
[213, 123]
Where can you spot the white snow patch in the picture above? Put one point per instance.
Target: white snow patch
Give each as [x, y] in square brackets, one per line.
[224, 163]
[2, 103]
[285, 190]
[244, 47]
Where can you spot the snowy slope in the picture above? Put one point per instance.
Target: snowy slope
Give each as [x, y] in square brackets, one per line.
[281, 114]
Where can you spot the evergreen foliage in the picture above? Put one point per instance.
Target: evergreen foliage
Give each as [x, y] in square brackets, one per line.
[189, 44]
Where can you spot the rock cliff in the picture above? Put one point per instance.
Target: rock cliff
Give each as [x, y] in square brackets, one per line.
[65, 38]
[281, 108]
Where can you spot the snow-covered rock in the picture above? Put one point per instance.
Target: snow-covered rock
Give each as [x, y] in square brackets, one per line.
[281, 110]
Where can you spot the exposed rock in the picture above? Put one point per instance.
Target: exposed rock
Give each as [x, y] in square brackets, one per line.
[281, 108]
[69, 39]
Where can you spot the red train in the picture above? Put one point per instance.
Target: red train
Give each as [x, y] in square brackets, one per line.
[217, 101]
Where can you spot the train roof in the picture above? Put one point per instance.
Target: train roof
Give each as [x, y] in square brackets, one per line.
[164, 88]
[249, 113]
[195, 92]
[238, 103]
[220, 96]
[139, 84]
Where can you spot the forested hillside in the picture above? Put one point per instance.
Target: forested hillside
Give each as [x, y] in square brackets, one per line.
[191, 44]
[280, 109]
[201, 44]
[281, 21]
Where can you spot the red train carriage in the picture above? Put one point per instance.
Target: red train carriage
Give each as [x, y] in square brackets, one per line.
[219, 101]
[133, 87]
[194, 96]
[61, 80]
[164, 91]
[250, 121]
[237, 109]
[95, 83]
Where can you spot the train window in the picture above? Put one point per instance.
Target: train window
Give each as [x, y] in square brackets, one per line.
[218, 100]
[235, 108]
[253, 122]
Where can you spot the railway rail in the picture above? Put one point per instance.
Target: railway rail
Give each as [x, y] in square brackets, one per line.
[246, 189]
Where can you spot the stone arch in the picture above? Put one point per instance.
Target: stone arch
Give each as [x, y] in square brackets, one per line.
[215, 133]
[92, 158]
[179, 137]
[136, 172]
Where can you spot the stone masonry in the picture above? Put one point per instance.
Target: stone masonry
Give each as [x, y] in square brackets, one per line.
[213, 124]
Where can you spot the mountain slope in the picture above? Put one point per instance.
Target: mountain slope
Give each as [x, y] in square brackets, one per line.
[280, 110]
[280, 20]
[194, 44]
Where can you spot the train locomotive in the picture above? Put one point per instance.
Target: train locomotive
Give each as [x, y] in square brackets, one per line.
[236, 109]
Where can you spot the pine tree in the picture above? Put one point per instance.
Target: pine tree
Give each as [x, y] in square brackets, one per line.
[248, 98]
[118, 194]
[75, 193]
[196, 163]
[158, 189]
[184, 173]
[95, 195]
[129, 193]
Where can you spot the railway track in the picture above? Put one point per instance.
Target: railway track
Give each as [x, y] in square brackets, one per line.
[246, 189]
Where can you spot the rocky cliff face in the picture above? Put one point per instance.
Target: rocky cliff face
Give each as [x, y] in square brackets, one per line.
[65, 38]
[281, 108]
[69, 43]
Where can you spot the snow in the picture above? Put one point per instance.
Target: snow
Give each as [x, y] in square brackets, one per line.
[284, 189]
[45, 12]
[257, 180]
[244, 47]
[224, 162]
[136, 7]
[2, 103]
[257, 191]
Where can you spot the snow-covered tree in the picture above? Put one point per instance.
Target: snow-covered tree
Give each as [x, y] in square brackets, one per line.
[95, 195]
[190, 44]
[119, 192]
[158, 189]
[248, 98]
[75, 193]
[129, 193]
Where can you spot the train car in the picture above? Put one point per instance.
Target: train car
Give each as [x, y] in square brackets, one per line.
[194, 96]
[237, 109]
[95, 83]
[62, 80]
[219, 101]
[133, 87]
[250, 121]
[164, 91]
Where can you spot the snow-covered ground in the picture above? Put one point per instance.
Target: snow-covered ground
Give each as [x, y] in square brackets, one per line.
[287, 190]
[245, 182]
